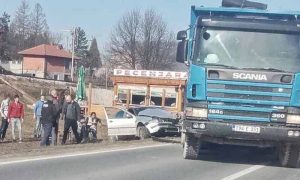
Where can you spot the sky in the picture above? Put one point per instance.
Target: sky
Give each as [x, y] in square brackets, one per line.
[98, 17]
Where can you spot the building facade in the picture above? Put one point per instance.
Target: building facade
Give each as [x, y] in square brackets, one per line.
[47, 61]
[149, 88]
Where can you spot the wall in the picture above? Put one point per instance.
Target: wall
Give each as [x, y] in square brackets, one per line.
[56, 66]
[14, 66]
[34, 65]
[100, 96]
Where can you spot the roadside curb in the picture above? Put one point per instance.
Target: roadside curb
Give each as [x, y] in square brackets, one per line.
[166, 140]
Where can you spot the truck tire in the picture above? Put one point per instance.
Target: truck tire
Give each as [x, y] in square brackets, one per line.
[143, 132]
[191, 148]
[289, 155]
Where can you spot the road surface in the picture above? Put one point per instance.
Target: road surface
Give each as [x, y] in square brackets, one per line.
[159, 162]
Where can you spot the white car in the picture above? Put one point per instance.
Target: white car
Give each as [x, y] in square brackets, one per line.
[141, 122]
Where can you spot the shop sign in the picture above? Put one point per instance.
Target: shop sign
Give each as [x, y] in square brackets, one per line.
[151, 74]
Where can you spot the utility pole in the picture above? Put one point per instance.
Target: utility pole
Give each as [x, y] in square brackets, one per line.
[73, 52]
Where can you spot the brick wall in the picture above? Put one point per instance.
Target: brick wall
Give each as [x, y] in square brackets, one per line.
[34, 65]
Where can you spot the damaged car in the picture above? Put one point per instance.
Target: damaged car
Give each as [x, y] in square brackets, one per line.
[141, 122]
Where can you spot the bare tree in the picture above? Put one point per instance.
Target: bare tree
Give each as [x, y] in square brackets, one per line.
[39, 27]
[142, 40]
[20, 30]
[124, 40]
[157, 43]
[55, 38]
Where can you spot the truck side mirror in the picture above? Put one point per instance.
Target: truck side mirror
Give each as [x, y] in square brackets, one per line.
[181, 36]
[181, 55]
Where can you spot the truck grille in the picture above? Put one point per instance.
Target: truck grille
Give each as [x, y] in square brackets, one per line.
[245, 101]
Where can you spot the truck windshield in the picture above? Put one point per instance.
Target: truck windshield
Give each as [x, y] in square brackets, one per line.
[244, 49]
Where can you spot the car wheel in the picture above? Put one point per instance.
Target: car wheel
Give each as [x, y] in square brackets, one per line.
[289, 155]
[143, 132]
[191, 148]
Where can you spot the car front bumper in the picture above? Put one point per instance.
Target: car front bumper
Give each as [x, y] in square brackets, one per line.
[155, 128]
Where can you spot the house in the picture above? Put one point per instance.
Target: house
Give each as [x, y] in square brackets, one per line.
[47, 61]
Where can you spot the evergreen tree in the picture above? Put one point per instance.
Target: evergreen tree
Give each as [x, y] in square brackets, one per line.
[4, 43]
[94, 60]
[81, 46]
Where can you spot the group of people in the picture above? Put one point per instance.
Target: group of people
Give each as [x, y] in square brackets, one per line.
[11, 112]
[47, 113]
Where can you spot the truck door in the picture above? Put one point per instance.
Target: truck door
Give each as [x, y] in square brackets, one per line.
[120, 122]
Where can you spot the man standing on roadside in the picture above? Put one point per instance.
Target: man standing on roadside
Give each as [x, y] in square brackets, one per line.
[58, 108]
[16, 117]
[71, 114]
[4, 114]
[37, 113]
[48, 114]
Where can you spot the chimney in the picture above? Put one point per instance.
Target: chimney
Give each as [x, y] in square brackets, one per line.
[60, 46]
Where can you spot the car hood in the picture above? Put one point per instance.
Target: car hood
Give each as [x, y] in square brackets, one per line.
[156, 113]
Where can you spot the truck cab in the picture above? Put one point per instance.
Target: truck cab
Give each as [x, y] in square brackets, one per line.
[244, 80]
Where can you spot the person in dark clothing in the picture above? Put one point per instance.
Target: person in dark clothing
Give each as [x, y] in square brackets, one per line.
[58, 107]
[71, 114]
[47, 119]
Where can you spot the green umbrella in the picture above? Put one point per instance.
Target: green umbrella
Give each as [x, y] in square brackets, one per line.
[80, 91]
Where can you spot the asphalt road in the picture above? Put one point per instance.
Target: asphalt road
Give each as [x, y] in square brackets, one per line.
[154, 163]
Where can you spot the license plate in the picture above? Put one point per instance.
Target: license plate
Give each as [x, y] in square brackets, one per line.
[247, 129]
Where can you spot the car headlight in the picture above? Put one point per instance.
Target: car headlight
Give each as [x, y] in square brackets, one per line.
[293, 119]
[155, 120]
[196, 112]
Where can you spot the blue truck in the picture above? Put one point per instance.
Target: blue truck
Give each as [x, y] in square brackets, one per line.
[243, 86]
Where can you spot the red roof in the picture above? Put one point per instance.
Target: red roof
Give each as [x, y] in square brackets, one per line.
[48, 50]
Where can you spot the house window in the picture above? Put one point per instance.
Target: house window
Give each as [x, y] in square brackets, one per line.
[67, 65]
[161, 96]
[55, 77]
[67, 78]
[170, 97]
[156, 95]
[137, 94]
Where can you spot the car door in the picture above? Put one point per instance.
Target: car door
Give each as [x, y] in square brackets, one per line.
[120, 122]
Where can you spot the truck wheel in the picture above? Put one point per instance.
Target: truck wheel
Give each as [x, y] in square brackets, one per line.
[143, 132]
[191, 148]
[289, 155]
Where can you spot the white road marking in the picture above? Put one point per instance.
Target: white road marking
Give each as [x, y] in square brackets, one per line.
[78, 154]
[244, 172]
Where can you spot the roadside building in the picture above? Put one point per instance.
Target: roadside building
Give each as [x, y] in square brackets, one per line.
[47, 61]
[149, 88]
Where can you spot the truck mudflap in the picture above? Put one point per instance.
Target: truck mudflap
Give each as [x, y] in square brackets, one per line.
[241, 131]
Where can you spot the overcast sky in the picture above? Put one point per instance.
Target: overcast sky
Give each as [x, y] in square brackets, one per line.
[98, 17]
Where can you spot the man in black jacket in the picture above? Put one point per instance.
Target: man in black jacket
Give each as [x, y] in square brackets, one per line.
[48, 118]
[71, 114]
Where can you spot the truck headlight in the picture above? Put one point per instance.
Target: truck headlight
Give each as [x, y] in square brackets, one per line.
[196, 112]
[293, 119]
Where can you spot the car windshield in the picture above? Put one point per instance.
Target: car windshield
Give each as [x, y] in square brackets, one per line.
[244, 49]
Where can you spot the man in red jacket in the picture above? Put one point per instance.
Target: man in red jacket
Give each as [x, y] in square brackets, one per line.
[16, 117]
